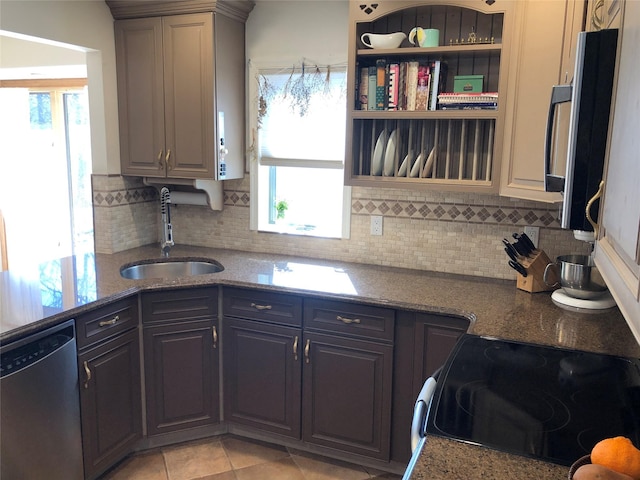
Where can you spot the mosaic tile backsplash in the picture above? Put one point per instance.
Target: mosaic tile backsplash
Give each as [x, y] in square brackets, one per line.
[445, 232]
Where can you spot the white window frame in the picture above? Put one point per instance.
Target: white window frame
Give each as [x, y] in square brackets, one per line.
[258, 197]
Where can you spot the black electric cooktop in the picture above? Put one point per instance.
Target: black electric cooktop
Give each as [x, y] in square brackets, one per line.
[541, 402]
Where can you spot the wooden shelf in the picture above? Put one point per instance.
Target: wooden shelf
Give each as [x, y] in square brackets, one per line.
[425, 114]
[445, 50]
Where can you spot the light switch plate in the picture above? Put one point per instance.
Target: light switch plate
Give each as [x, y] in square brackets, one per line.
[533, 233]
[376, 224]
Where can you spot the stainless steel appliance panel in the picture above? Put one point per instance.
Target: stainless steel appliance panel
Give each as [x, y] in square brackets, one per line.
[40, 435]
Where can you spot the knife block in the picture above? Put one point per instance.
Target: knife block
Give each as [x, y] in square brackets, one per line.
[535, 266]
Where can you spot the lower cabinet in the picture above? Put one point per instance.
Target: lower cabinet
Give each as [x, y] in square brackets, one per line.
[262, 376]
[110, 391]
[327, 385]
[347, 394]
[333, 375]
[181, 361]
[423, 343]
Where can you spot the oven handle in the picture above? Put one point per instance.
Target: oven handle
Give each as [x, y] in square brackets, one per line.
[421, 411]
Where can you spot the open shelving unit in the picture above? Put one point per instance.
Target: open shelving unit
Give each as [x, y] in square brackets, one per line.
[441, 149]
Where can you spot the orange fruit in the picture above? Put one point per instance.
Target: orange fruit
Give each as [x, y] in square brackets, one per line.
[619, 454]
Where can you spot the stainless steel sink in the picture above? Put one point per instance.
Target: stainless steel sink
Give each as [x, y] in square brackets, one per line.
[169, 268]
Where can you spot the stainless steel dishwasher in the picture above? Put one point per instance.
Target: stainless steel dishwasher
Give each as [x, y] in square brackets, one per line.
[40, 433]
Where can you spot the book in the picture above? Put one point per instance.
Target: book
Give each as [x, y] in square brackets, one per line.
[363, 89]
[371, 88]
[394, 73]
[412, 85]
[438, 82]
[468, 101]
[422, 89]
[402, 87]
[381, 84]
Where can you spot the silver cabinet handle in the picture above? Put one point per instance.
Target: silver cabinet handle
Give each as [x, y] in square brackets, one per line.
[348, 320]
[88, 373]
[295, 348]
[214, 333]
[261, 307]
[113, 321]
[307, 347]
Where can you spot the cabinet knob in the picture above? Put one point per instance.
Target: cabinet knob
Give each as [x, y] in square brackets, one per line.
[295, 348]
[214, 333]
[167, 159]
[160, 164]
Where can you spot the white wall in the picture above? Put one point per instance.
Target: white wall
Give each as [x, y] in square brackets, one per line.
[318, 30]
[87, 26]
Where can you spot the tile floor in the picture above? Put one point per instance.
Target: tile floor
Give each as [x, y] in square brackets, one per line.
[233, 458]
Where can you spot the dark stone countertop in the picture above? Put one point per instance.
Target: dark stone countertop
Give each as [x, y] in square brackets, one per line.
[61, 289]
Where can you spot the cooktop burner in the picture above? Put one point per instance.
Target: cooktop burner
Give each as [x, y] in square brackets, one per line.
[542, 402]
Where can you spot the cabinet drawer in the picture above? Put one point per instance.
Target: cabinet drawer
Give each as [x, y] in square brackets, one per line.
[266, 306]
[349, 318]
[107, 321]
[187, 304]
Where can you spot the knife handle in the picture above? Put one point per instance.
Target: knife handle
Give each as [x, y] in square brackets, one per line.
[518, 268]
[510, 247]
[528, 242]
[510, 254]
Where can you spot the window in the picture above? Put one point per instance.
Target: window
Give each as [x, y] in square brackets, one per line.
[297, 168]
[46, 165]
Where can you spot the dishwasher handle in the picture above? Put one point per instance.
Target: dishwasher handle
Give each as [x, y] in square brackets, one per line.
[421, 411]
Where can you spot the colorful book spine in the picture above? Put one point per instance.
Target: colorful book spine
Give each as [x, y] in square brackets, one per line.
[412, 85]
[394, 79]
[371, 97]
[363, 89]
[402, 87]
[381, 82]
[422, 89]
[435, 74]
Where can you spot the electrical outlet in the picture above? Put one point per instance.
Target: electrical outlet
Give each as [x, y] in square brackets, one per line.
[533, 233]
[376, 224]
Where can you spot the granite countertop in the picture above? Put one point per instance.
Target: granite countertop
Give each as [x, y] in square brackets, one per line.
[58, 290]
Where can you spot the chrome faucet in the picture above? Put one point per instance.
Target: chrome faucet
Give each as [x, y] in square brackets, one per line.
[167, 229]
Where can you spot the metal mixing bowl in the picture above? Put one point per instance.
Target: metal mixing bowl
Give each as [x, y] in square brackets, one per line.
[579, 277]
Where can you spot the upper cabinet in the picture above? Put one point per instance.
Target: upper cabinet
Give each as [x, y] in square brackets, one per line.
[180, 69]
[618, 248]
[400, 131]
[543, 55]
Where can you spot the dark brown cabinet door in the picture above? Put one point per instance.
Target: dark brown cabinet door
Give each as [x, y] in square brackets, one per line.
[434, 339]
[423, 343]
[347, 394]
[110, 400]
[262, 376]
[181, 369]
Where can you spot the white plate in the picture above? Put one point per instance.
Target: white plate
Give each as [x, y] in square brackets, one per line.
[429, 163]
[415, 170]
[390, 154]
[378, 152]
[402, 171]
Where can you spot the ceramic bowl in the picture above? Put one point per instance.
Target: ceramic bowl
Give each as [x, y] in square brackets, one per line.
[383, 40]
